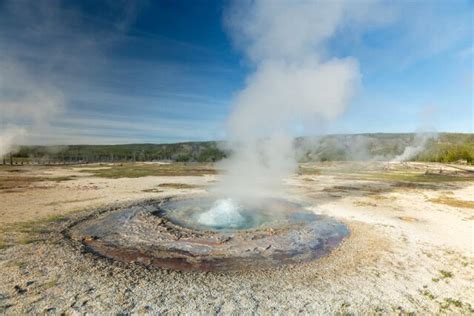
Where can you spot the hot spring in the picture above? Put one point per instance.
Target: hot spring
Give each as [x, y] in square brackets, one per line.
[208, 233]
[227, 215]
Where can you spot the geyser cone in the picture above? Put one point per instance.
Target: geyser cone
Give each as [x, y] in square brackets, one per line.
[185, 234]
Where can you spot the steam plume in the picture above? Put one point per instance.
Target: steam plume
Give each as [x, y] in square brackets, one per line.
[10, 136]
[425, 133]
[29, 99]
[50, 50]
[419, 144]
[27, 105]
[294, 84]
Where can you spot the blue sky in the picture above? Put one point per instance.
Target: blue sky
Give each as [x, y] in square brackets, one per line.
[167, 71]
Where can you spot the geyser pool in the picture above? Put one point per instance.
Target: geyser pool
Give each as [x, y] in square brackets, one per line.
[227, 215]
[223, 214]
[205, 233]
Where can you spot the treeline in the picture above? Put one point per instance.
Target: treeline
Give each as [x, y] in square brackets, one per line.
[359, 147]
[446, 147]
[449, 149]
[443, 147]
[190, 151]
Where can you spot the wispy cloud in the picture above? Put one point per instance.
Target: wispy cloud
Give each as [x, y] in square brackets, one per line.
[38, 40]
[123, 129]
[89, 72]
[407, 32]
[90, 90]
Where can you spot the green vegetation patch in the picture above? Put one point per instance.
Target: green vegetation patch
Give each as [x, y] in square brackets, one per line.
[445, 274]
[449, 302]
[449, 148]
[427, 294]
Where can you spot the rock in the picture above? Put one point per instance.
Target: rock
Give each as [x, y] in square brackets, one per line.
[223, 239]
[90, 238]
[19, 289]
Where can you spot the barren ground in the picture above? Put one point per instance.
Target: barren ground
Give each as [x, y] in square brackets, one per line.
[410, 248]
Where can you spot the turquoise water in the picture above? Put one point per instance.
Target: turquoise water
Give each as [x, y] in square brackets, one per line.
[216, 215]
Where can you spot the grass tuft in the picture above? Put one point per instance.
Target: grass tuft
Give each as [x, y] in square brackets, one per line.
[28, 232]
[178, 185]
[445, 274]
[453, 202]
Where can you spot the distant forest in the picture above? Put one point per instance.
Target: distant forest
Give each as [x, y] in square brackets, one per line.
[446, 147]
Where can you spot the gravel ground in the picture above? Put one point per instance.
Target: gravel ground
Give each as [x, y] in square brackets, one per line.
[405, 254]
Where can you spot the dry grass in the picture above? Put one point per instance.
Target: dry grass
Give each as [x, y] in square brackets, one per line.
[304, 170]
[28, 232]
[135, 170]
[364, 203]
[453, 202]
[381, 197]
[70, 201]
[179, 186]
[342, 188]
[405, 177]
[17, 183]
[154, 190]
[407, 219]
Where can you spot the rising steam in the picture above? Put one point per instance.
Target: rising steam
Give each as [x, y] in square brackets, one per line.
[48, 52]
[29, 98]
[9, 136]
[419, 144]
[425, 133]
[27, 105]
[294, 84]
